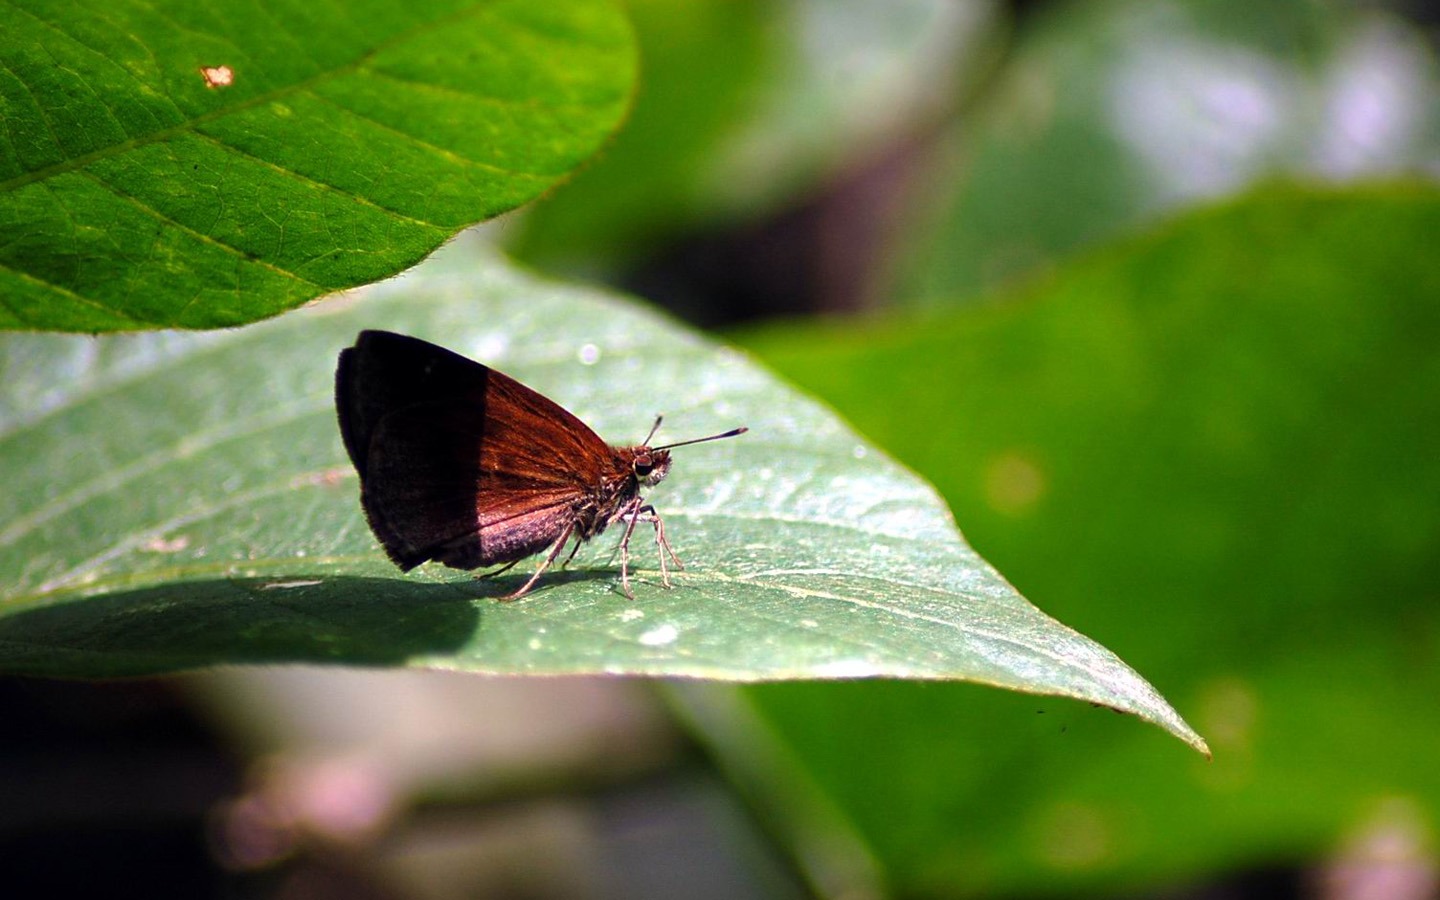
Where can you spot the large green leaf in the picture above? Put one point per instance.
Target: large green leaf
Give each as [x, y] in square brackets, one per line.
[178, 501]
[139, 188]
[1217, 448]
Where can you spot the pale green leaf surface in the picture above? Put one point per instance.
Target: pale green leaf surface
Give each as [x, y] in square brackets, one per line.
[352, 140]
[184, 500]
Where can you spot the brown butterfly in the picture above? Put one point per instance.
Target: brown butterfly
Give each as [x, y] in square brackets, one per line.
[466, 466]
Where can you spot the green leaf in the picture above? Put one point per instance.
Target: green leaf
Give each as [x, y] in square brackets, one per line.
[342, 145]
[1216, 447]
[183, 500]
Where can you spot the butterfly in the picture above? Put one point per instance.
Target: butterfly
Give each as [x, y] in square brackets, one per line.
[466, 466]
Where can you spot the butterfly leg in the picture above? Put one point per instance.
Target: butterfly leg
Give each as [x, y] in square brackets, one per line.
[493, 572]
[573, 550]
[662, 545]
[631, 516]
[636, 513]
[647, 513]
[661, 541]
[549, 558]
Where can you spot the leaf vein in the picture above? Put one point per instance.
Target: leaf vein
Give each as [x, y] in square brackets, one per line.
[139, 537]
[448, 154]
[323, 185]
[78, 298]
[117, 477]
[140, 204]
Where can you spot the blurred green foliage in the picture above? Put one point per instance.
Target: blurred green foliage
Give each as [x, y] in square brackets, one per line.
[1214, 446]
[701, 63]
[744, 109]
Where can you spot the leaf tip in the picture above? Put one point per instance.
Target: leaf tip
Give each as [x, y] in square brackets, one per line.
[1181, 729]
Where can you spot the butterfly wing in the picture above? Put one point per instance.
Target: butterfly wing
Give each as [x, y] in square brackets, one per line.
[459, 463]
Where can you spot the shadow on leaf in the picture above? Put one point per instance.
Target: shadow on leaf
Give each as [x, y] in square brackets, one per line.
[498, 587]
[291, 619]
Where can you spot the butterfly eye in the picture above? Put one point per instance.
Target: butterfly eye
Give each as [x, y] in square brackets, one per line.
[643, 466]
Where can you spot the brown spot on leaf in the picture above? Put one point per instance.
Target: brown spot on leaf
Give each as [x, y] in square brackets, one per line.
[217, 76]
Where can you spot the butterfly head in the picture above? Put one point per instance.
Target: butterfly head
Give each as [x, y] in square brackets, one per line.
[650, 466]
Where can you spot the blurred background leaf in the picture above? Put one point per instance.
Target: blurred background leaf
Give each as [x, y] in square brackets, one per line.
[991, 141]
[1112, 114]
[1214, 446]
[745, 106]
[200, 166]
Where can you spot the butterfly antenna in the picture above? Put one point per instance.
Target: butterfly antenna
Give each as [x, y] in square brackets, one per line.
[714, 437]
[653, 428]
